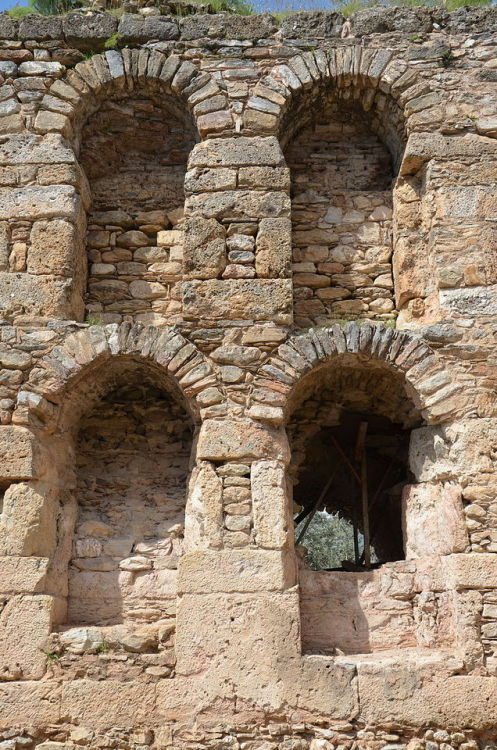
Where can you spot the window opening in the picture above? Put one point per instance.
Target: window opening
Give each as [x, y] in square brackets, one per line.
[349, 491]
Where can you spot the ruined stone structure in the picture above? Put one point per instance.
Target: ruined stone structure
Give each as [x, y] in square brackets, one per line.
[220, 246]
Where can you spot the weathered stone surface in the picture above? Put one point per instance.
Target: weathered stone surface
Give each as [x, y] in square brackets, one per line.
[239, 299]
[205, 248]
[19, 452]
[88, 30]
[137, 29]
[433, 520]
[236, 571]
[228, 440]
[236, 152]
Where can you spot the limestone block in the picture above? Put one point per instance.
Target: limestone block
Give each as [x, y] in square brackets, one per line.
[471, 571]
[242, 204]
[26, 624]
[228, 440]
[34, 202]
[421, 147]
[422, 695]
[326, 688]
[22, 574]
[108, 703]
[456, 451]
[27, 148]
[236, 570]
[242, 299]
[274, 240]
[200, 180]
[433, 520]
[54, 245]
[271, 505]
[475, 301]
[22, 294]
[237, 630]
[205, 248]
[237, 152]
[204, 509]
[29, 703]
[20, 456]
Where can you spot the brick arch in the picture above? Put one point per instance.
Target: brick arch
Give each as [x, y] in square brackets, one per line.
[81, 89]
[68, 365]
[373, 71]
[438, 398]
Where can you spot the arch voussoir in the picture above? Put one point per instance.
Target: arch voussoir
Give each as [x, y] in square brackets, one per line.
[88, 348]
[401, 351]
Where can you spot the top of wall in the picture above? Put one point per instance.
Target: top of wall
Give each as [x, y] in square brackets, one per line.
[88, 30]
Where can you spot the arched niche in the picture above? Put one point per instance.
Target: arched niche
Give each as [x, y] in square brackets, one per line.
[124, 442]
[343, 143]
[134, 151]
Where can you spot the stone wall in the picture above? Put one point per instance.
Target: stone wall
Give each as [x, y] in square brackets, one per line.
[222, 242]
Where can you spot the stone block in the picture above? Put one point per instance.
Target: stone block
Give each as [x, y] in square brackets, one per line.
[317, 24]
[204, 509]
[21, 458]
[205, 248]
[235, 627]
[433, 520]
[29, 703]
[476, 571]
[26, 625]
[137, 29]
[237, 152]
[107, 703]
[22, 294]
[475, 301]
[242, 299]
[229, 440]
[240, 204]
[274, 248]
[88, 30]
[224, 26]
[426, 695]
[22, 575]
[54, 245]
[40, 28]
[27, 148]
[271, 505]
[455, 452]
[324, 687]
[27, 523]
[35, 202]
[236, 570]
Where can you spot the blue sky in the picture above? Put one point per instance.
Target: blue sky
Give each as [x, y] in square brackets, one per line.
[259, 5]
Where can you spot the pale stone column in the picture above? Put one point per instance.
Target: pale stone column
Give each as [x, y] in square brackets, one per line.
[27, 543]
[45, 274]
[238, 605]
[238, 232]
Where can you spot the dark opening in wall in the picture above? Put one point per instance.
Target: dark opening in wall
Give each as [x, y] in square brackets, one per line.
[330, 492]
[349, 433]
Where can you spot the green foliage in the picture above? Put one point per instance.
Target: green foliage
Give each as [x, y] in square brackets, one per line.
[348, 7]
[53, 7]
[447, 58]
[328, 540]
[113, 42]
[19, 11]
[94, 320]
[52, 656]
